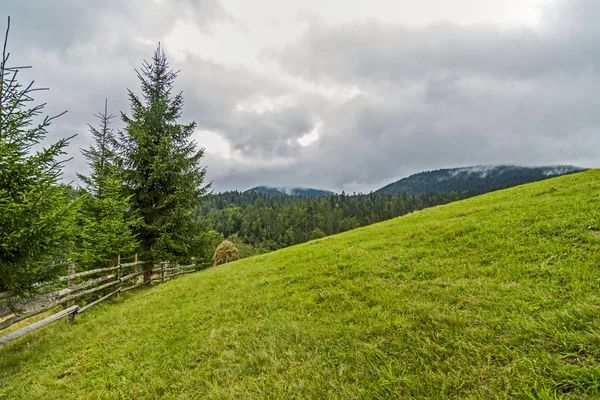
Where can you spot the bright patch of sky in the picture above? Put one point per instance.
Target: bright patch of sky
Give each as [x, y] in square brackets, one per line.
[311, 136]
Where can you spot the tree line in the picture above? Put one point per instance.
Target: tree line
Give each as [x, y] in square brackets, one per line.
[269, 222]
[144, 186]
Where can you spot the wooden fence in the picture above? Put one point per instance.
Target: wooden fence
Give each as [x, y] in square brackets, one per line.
[95, 289]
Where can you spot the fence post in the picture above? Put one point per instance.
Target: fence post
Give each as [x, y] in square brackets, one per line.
[136, 268]
[71, 283]
[119, 272]
[162, 273]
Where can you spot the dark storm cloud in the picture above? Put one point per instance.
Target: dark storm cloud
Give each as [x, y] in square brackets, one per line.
[430, 97]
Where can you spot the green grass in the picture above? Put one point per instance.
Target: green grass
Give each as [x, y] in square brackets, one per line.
[497, 296]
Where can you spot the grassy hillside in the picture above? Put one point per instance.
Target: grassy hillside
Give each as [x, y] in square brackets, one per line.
[497, 296]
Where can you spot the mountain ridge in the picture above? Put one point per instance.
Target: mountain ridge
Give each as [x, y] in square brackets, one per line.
[476, 179]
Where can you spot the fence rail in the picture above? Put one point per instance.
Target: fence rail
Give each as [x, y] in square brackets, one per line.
[5, 295]
[87, 290]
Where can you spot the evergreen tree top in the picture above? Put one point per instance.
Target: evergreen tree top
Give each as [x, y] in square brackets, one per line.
[156, 83]
[101, 156]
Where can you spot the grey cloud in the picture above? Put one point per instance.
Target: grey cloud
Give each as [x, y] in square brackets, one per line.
[431, 97]
[371, 51]
[448, 95]
[87, 51]
[59, 25]
[213, 101]
[269, 133]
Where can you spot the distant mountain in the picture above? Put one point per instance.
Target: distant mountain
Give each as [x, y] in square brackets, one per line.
[283, 191]
[475, 180]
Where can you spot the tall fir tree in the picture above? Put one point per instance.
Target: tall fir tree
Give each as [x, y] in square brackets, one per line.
[37, 215]
[105, 218]
[162, 167]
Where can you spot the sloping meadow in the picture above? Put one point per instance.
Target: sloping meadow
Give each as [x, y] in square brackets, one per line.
[497, 296]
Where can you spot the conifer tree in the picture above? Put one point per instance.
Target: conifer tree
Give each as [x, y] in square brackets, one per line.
[162, 166]
[106, 223]
[102, 156]
[37, 216]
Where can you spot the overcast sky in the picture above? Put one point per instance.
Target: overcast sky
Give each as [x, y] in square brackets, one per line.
[332, 94]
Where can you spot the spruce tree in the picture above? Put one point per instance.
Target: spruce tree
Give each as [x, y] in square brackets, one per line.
[37, 214]
[106, 223]
[102, 156]
[162, 167]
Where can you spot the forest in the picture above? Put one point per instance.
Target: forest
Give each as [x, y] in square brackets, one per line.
[260, 222]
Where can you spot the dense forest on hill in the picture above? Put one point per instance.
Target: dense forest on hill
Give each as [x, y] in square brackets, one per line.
[264, 218]
[269, 222]
[475, 180]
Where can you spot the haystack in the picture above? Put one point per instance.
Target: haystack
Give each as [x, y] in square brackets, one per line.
[225, 253]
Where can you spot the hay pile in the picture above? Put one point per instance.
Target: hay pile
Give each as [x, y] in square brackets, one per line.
[225, 253]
